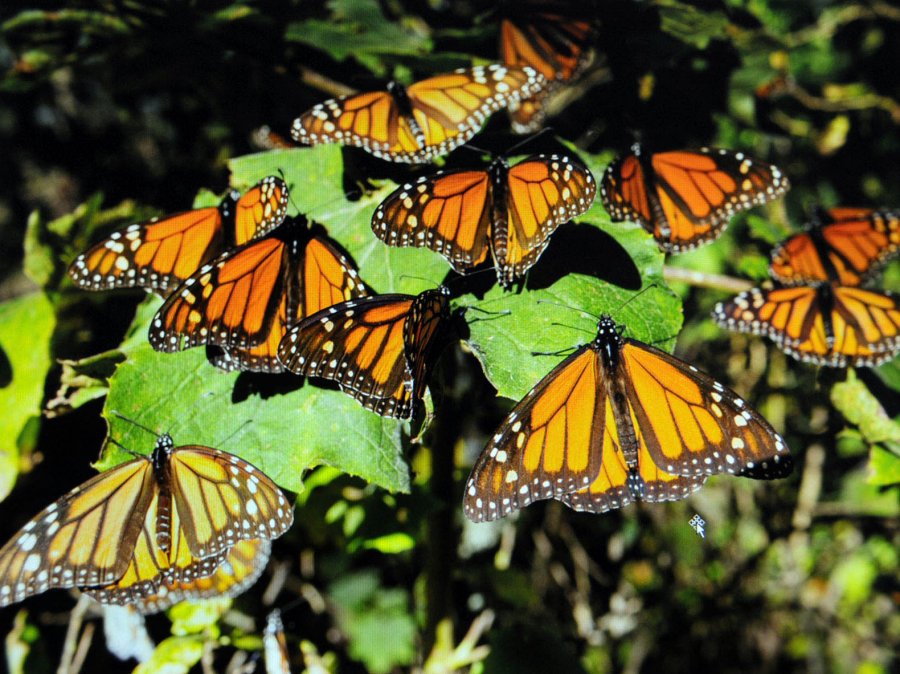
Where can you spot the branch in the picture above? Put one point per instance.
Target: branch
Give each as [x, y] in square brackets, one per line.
[703, 280]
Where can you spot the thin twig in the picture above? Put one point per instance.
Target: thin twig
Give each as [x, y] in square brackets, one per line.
[71, 645]
[704, 280]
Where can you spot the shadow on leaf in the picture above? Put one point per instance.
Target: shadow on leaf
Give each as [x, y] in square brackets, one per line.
[584, 249]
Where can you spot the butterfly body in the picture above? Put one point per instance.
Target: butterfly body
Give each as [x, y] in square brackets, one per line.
[161, 253]
[507, 211]
[247, 298]
[149, 522]
[421, 122]
[617, 421]
[686, 197]
[823, 324]
[378, 349]
[843, 245]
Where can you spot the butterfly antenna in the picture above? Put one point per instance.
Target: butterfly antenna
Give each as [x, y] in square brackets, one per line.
[636, 295]
[123, 447]
[419, 278]
[133, 423]
[525, 141]
[237, 430]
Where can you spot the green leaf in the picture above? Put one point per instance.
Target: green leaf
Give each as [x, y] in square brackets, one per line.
[358, 28]
[376, 620]
[83, 380]
[391, 544]
[861, 408]
[26, 326]
[198, 617]
[884, 467]
[283, 435]
[175, 655]
[315, 177]
[691, 25]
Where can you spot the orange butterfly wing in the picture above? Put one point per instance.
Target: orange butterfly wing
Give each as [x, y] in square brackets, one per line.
[443, 112]
[845, 245]
[449, 212]
[162, 253]
[152, 569]
[511, 211]
[609, 490]
[324, 277]
[260, 210]
[543, 193]
[240, 568]
[686, 197]
[617, 421]
[553, 45]
[77, 540]
[837, 326]
[377, 349]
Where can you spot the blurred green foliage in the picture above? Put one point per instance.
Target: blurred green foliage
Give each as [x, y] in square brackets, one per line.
[145, 105]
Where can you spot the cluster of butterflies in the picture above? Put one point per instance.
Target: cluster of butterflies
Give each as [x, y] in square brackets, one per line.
[819, 313]
[616, 421]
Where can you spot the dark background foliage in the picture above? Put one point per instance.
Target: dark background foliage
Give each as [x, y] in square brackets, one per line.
[145, 105]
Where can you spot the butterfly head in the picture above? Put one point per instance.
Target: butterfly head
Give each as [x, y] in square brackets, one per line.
[161, 452]
[608, 340]
[228, 203]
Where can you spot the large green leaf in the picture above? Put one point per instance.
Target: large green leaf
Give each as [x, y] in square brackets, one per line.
[26, 325]
[284, 434]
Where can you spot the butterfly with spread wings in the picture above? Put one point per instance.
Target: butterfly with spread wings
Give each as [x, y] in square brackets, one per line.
[685, 198]
[124, 534]
[378, 349]
[843, 245]
[239, 568]
[551, 39]
[823, 324]
[161, 253]
[421, 122]
[509, 211]
[619, 421]
[247, 298]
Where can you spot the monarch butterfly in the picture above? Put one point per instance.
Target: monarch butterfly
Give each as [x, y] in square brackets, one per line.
[248, 297]
[821, 324]
[418, 123]
[686, 197]
[842, 245]
[551, 41]
[241, 567]
[165, 519]
[275, 645]
[510, 211]
[378, 349]
[617, 421]
[162, 252]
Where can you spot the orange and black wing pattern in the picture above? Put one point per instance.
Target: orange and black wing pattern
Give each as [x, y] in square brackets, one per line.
[240, 568]
[843, 245]
[509, 211]
[685, 198]
[78, 540]
[619, 421]
[323, 276]
[163, 252]
[554, 45]
[152, 566]
[377, 349]
[543, 192]
[421, 122]
[837, 326]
